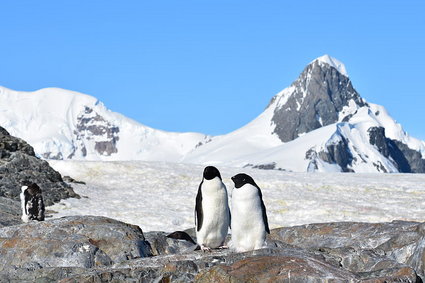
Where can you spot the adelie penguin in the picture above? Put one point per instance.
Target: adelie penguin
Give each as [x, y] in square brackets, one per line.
[249, 217]
[32, 203]
[212, 214]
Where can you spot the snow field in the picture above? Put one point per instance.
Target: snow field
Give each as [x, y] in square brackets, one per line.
[161, 196]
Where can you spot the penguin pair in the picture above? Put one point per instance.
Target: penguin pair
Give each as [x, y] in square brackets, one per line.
[32, 203]
[212, 214]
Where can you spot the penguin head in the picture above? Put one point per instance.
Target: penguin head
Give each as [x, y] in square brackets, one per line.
[242, 179]
[34, 189]
[210, 172]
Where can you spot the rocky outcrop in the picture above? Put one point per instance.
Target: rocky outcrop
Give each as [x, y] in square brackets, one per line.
[93, 128]
[79, 242]
[162, 243]
[20, 166]
[317, 99]
[98, 249]
[404, 158]
[362, 247]
[338, 153]
[10, 212]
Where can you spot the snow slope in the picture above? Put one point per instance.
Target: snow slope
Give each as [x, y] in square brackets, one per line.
[62, 124]
[161, 196]
[232, 148]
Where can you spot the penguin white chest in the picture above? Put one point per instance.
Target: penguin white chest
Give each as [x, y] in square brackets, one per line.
[215, 214]
[24, 217]
[248, 227]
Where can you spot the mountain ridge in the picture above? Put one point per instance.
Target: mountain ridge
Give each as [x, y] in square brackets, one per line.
[318, 123]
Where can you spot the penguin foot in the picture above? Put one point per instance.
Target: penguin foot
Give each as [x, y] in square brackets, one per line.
[205, 249]
[223, 247]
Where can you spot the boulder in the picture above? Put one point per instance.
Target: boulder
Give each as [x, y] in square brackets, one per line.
[362, 247]
[20, 166]
[10, 212]
[167, 244]
[78, 241]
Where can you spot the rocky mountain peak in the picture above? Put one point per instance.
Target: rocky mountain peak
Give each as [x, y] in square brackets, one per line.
[322, 95]
[333, 62]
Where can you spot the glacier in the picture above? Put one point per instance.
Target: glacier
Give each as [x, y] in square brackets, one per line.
[160, 196]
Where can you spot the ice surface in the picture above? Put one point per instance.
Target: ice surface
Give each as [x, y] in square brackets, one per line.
[161, 196]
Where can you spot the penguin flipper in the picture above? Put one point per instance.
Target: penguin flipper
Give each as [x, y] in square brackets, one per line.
[199, 216]
[230, 219]
[263, 210]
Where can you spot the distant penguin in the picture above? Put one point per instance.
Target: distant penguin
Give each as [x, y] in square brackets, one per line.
[249, 218]
[32, 203]
[212, 214]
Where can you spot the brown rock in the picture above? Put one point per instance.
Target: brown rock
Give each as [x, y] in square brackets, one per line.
[275, 269]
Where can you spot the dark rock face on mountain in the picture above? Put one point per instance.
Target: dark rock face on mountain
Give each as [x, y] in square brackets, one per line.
[91, 127]
[98, 249]
[402, 154]
[405, 159]
[338, 153]
[318, 97]
[20, 166]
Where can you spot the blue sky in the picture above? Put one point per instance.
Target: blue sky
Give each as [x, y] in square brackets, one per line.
[213, 66]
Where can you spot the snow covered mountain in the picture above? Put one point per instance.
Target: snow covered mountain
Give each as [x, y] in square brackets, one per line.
[62, 124]
[319, 123]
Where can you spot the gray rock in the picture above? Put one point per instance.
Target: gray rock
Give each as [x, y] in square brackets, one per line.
[161, 244]
[10, 212]
[79, 241]
[383, 245]
[19, 166]
[331, 252]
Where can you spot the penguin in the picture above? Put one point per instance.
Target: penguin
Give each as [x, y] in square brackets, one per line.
[32, 203]
[212, 213]
[249, 218]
